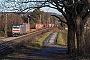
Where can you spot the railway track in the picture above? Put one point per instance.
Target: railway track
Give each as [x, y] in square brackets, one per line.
[7, 45]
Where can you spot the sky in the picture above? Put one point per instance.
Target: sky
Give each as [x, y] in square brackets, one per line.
[47, 9]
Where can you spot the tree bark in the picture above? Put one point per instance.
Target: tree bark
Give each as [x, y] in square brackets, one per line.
[80, 36]
[6, 26]
[71, 39]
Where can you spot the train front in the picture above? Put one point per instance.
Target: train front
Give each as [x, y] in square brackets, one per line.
[16, 30]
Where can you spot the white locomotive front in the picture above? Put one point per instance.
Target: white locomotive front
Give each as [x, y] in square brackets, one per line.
[18, 30]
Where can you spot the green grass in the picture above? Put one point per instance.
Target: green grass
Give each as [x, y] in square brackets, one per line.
[61, 39]
[40, 41]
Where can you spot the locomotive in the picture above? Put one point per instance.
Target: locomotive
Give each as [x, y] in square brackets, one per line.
[20, 29]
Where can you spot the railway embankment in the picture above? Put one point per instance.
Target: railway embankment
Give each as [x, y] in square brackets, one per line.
[11, 45]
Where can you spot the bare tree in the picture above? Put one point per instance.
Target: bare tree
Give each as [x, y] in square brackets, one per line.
[75, 12]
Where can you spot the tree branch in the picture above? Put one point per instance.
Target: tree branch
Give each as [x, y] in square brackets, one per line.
[59, 19]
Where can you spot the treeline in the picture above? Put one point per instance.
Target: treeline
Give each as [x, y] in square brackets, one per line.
[11, 20]
[37, 16]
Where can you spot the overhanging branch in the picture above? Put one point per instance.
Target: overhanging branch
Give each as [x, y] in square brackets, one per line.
[59, 19]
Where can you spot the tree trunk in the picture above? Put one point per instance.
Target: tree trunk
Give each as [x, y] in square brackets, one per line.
[71, 39]
[6, 26]
[80, 36]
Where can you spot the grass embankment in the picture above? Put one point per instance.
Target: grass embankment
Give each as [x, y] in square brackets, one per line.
[62, 38]
[40, 41]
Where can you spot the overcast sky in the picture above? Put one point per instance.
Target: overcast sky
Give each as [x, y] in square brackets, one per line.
[47, 9]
